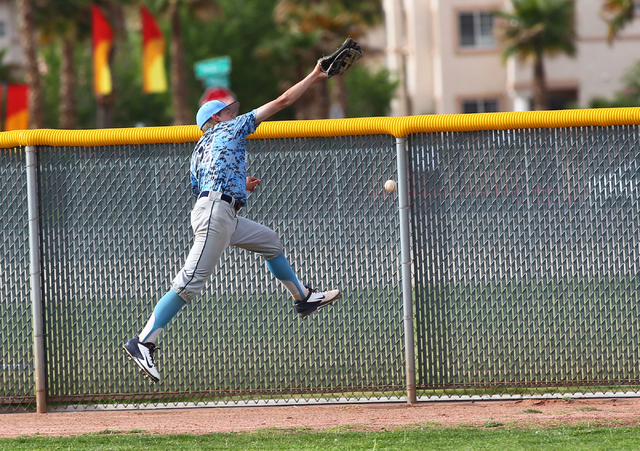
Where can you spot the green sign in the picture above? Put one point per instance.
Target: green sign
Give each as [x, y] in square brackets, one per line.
[214, 67]
[222, 80]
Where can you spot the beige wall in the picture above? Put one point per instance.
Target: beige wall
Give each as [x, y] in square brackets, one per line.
[466, 73]
[439, 75]
[420, 82]
[598, 67]
[409, 43]
[10, 40]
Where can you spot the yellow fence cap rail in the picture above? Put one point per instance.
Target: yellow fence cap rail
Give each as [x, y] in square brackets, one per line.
[101, 137]
[403, 126]
[396, 126]
[326, 128]
[520, 120]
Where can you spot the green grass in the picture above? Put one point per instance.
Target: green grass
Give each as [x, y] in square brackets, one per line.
[489, 437]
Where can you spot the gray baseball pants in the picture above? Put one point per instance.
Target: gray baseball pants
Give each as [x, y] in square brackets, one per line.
[216, 227]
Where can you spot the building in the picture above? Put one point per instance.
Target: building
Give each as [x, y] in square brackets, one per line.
[9, 33]
[448, 60]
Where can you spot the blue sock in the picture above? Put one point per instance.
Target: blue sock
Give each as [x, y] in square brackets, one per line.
[165, 310]
[281, 268]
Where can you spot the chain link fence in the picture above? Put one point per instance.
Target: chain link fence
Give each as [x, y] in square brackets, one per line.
[116, 230]
[16, 355]
[525, 247]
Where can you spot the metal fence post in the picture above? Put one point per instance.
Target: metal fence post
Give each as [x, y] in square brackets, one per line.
[35, 278]
[405, 263]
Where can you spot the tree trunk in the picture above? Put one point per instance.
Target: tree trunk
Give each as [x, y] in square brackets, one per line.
[104, 111]
[116, 16]
[181, 111]
[539, 84]
[28, 40]
[315, 102]
[67, 85]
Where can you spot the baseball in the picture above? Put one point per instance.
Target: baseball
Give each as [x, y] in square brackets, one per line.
[390, 186]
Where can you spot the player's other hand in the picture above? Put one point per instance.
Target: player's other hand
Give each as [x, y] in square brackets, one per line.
[252, 182]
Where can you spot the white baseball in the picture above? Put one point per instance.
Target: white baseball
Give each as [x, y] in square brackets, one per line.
[390, 186]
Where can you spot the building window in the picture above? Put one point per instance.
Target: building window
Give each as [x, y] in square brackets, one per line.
[561, 99]
[480, 106]
[476, 29]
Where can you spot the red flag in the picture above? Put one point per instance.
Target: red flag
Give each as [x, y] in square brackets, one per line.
[102, 42]
[17, 115]
[154, 78]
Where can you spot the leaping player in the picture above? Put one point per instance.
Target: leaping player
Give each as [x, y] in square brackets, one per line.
[219, 183]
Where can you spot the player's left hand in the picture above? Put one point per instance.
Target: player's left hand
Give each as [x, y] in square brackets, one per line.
[252, 182]
[318, 73]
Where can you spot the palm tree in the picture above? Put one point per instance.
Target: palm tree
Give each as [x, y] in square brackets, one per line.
[66, 21]
[27, 28]
[181, 112]
[617, 14]
[534, 29]
[312, 28]
[115, 12]
[200, 9]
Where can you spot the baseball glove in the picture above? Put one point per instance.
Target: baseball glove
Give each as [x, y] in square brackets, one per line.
[342, 59]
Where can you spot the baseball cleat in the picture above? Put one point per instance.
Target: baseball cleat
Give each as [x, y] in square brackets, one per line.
[142, 354]
[314, 301]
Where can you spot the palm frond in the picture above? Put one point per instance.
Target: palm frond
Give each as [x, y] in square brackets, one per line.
[534, 27]
[617, 14]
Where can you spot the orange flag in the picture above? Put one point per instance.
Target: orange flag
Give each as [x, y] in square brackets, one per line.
[17, 111]
[102, 42]
[154, 78]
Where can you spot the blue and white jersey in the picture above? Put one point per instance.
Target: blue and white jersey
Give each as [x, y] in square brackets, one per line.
[218, 162]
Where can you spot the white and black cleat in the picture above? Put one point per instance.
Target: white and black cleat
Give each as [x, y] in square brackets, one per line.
[314, 301]
[142, 354]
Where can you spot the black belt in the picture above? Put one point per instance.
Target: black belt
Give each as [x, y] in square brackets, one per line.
[226, 198]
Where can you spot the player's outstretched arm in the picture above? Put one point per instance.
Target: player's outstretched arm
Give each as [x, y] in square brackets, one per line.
[290, 95]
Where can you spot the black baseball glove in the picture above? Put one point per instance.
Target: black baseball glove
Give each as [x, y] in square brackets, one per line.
[342, 59]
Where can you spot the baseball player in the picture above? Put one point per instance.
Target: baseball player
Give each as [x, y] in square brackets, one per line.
[220, 184]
